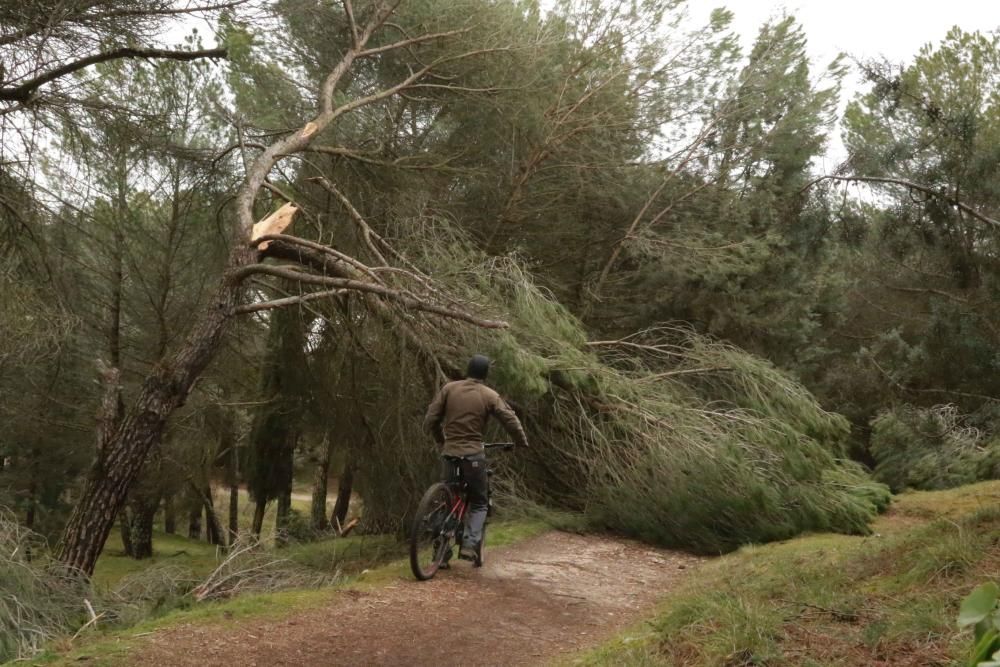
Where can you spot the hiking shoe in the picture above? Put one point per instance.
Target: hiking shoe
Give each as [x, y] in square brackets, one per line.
[467, 552]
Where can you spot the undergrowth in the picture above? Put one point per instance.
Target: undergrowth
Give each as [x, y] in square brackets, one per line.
[932, 448]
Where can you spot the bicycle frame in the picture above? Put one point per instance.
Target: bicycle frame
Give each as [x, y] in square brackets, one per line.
[458, 508]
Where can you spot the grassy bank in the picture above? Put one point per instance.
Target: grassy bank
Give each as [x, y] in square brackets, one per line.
[890, 598]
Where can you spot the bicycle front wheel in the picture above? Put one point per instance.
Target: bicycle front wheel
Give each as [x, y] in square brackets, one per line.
[429, 538]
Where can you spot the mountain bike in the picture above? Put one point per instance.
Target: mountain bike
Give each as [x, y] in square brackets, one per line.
[440, 520]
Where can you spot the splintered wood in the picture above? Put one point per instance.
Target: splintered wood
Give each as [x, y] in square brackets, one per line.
[309, 130]
[274, 224]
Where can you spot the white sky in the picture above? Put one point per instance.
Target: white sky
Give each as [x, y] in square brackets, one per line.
[895, 29]
[864, 28]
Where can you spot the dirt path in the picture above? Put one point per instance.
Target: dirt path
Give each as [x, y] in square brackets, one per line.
[532, 601]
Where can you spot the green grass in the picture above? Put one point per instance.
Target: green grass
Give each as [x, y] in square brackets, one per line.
[366, 562]
[200, 558]
[888, 598]
[220, 497]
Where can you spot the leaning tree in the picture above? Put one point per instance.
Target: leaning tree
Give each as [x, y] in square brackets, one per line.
[390, 286]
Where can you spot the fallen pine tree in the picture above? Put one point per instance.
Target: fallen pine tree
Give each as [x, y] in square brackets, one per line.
[665, 435]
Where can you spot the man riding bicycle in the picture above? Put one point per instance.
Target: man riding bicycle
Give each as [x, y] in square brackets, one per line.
[456, 418]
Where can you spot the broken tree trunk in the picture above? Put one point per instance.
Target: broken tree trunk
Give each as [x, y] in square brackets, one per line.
[124, 447]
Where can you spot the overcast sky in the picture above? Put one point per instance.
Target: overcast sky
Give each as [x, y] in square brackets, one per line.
[895, 29]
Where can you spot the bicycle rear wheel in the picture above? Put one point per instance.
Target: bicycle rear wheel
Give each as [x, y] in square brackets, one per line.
[429, 538]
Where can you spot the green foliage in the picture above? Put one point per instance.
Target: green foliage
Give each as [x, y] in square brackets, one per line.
[927, 276]
[980, 610]
[37, 603]
[667, 435]
[931, 448]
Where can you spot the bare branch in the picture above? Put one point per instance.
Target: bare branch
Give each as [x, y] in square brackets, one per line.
[912, 186]
[349, 10]
[616, 251]
[403, 43]
[336, 254]
[23, 92]
[287, 301]
[684, 371]
[405, 300]
[398, 163]
[366, 231]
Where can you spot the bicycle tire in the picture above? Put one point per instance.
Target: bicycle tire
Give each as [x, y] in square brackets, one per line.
[429, 539]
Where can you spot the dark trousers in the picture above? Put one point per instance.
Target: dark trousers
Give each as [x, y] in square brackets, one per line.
[472, 471]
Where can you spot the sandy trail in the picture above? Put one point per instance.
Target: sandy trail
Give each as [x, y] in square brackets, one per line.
[550, 595]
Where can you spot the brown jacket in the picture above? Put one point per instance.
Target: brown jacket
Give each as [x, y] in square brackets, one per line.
[458, 414]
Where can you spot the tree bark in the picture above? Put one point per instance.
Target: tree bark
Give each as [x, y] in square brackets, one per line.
[141, 527]
[169, 515]
[194, 523]
[344, 488]
[234, 512]
[125, 529]
[213, 529]
[233, 481]
[281, 519]
[258, 517]
[124, 448]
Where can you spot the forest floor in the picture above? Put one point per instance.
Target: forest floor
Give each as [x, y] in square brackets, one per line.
[553, 594]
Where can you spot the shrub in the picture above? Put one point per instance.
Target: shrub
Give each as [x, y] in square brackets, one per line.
[38, 599]
[931, 448]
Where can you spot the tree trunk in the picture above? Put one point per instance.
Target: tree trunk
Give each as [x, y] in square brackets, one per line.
[233, 481]
[234, 512]
[125, 528]
[318, 518]
[123, 449]
[169, 515]
[258, 518]
[344, 487]
[194, 523]
[281, 519]
[213, 529]
[141, 521]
